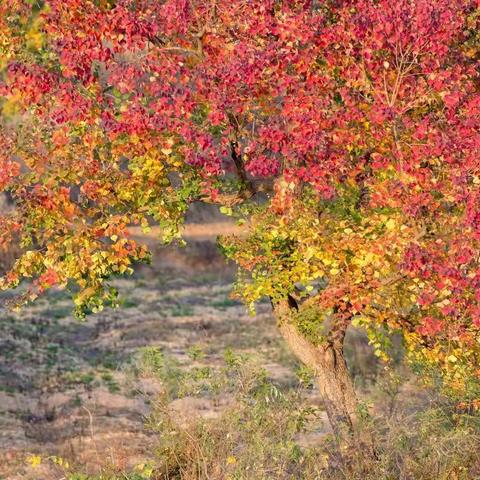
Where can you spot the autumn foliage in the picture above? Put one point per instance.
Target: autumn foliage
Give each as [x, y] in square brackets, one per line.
[345, 134]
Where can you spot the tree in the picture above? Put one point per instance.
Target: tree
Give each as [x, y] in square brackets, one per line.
[344, 135]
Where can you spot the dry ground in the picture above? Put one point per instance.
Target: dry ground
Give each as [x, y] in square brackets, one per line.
[67, 389]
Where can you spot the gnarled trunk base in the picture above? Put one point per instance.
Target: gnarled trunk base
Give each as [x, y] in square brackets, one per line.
[334, 381]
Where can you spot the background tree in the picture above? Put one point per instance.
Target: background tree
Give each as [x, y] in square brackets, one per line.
[345, 135]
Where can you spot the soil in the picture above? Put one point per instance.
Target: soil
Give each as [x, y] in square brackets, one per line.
[66, 387]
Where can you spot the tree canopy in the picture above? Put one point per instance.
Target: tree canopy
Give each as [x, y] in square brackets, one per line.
[344, 134]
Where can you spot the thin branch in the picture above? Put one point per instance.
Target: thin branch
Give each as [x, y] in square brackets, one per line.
[185, 51]
[247, 185]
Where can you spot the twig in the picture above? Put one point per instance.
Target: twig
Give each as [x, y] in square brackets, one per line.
[92, 434]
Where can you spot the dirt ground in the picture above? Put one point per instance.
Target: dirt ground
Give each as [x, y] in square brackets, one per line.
[65, 386]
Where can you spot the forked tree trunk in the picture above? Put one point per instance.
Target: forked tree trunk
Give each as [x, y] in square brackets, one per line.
[328, 363]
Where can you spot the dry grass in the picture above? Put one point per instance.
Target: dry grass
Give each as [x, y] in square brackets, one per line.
[244, 425]
[258, 435]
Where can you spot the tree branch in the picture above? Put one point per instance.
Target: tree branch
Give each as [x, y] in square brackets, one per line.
[247, 185]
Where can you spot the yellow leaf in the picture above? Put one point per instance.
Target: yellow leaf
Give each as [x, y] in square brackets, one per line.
[390, 224]
[34, 460]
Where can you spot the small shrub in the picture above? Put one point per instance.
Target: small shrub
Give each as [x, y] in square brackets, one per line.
[254, 426]
[253, 437]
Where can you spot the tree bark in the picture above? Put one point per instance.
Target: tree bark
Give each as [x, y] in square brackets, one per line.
[328, 363]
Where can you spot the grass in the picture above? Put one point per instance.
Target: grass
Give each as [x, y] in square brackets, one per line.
[258, 434]
[128, 302]
[225, 303]
[180, 310]
[110, 382]
[246, 425]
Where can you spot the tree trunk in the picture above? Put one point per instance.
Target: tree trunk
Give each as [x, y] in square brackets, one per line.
[328, 363]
